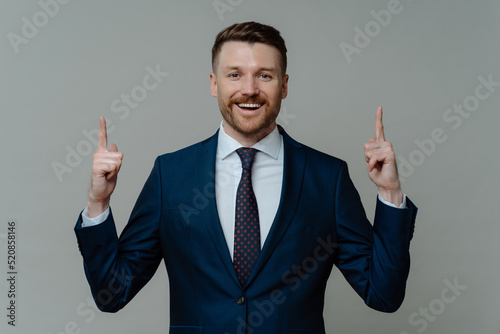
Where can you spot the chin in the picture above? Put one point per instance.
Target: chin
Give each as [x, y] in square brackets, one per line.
[253, 127]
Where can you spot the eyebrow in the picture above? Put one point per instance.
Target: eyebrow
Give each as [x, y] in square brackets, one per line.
[270, 69]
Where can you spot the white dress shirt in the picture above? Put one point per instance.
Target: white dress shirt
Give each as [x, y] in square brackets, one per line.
[267, 179]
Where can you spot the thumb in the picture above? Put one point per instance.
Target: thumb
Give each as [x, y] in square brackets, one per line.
[113, 148]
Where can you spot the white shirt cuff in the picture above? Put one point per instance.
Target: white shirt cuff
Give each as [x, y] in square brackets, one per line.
[402, 206]
[86, 221]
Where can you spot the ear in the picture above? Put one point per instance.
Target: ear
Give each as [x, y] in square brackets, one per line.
[284, 87]
[213, 84]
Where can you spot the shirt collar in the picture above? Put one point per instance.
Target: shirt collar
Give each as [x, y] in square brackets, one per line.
[269, 145]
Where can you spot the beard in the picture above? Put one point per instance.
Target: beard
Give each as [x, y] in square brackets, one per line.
[249, 124]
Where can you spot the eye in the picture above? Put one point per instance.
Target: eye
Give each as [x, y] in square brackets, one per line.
[233, 75]
[265, 76]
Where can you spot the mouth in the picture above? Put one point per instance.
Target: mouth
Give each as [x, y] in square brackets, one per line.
[249, 106]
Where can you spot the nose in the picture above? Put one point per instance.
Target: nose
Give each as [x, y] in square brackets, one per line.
[250, 86]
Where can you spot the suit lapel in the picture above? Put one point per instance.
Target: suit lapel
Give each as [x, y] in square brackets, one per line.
[293, 174]
[205, 175]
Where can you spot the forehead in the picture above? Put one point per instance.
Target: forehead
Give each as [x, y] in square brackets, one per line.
[246, 55]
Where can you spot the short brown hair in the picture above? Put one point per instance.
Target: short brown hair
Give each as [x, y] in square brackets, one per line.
[250, 32]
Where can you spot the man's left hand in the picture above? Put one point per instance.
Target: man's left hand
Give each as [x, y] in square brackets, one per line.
[381, 164]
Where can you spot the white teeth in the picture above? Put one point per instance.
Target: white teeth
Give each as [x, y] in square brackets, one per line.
[249, 105]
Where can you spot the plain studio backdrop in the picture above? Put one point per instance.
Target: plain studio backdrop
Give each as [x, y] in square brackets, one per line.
[432, 65]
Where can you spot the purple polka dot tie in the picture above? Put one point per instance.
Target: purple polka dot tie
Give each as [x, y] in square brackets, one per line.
[246, 225]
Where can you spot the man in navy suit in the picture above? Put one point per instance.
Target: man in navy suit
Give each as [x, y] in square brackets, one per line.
[308, 215]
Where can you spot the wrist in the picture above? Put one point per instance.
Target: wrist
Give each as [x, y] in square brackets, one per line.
[394, 196]
[95, 208]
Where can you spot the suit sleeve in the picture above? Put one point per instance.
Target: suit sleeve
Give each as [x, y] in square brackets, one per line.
[374, 260]
[117, 268]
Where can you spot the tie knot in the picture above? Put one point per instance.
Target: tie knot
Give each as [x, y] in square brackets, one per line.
[246, 156]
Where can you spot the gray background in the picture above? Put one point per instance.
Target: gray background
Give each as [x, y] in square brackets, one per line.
[82, 59]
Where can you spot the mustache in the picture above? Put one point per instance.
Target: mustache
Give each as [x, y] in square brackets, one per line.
[248, 100]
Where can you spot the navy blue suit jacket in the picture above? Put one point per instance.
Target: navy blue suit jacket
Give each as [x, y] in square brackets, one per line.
[320, 223]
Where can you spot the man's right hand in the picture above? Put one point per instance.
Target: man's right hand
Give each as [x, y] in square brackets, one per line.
[104, 173]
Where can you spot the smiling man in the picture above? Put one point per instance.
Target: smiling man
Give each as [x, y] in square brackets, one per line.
[255, 254]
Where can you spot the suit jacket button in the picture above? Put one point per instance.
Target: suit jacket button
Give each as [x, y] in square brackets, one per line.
[241, 300]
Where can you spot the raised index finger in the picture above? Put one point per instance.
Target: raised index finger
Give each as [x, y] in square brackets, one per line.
[379, 127]
[102, 144]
